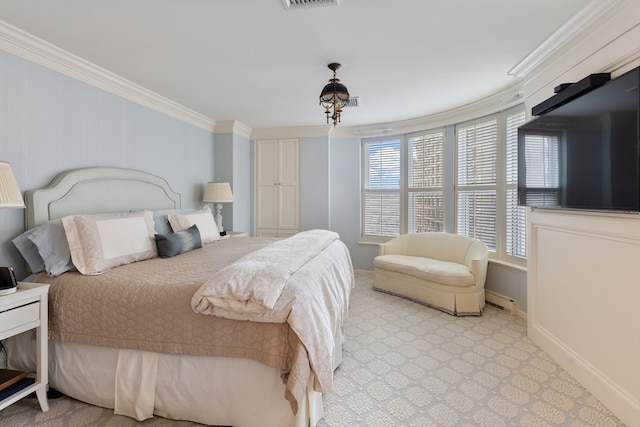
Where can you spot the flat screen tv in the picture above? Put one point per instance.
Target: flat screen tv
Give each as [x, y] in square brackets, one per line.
[585, 154]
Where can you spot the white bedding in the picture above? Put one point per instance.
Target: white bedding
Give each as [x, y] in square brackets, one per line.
[251, 288]
[278, 283]
[194, 388]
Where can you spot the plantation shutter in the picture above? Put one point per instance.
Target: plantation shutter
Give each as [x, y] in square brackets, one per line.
[425, 160]
[543, 169]
[381, 193]
[516, 216]
[476, 181]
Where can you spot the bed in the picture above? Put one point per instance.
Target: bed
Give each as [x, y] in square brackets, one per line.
[156, 335]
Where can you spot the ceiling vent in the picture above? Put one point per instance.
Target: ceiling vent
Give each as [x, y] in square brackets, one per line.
[302, 4]
[353, 102]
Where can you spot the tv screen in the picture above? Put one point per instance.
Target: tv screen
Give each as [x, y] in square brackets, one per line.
[584, 154]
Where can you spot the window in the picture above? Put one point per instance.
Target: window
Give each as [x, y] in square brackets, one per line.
[381, 193]
[516, 216]
[477, 181]
[543, 168]
[425, 163]
[460, 179]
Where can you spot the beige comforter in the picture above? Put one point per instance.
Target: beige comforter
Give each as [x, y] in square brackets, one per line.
[300, 280]
[147, 306]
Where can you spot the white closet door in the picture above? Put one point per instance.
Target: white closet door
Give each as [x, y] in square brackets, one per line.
[277, 187]
[288, 200]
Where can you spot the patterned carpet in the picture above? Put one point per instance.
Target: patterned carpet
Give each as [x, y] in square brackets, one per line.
[409, 365]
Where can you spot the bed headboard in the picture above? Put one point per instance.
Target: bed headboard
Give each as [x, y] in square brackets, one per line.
[98, 190]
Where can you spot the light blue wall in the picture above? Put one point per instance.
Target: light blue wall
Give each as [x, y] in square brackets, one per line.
[233, 164]
[314, 183]
[344, 216]
[50, 123]
[223, 167]
[330, 192]
[242, 183]
[508, 281]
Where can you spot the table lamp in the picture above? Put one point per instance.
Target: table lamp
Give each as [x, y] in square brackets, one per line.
[10, 197]
[218, 193]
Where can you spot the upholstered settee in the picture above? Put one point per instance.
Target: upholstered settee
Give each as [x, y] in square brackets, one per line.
[442, 270]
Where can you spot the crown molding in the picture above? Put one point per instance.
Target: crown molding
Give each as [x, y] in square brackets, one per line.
[233, 126]
[567, 32]
[292, 132]
[22, 44]
[500, 101]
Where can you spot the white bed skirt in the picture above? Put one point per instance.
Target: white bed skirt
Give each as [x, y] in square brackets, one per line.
[207, 390]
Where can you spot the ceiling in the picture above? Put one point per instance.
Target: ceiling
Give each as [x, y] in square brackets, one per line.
[263, 65]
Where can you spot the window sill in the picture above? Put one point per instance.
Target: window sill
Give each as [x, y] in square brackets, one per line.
[508, 265]
[368, 243]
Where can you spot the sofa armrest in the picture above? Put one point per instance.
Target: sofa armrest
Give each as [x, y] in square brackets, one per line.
[479, 271]
[388, 248]
[396, 246]
[381, 248]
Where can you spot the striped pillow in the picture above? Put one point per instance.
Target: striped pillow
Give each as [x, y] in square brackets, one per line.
[172, 244]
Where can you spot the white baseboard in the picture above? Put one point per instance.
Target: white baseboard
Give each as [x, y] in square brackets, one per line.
[617, 400]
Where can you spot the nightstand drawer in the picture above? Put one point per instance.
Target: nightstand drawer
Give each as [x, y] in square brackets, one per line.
[19, 316]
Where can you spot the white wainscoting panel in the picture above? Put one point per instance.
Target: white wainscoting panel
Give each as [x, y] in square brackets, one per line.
[584, 301]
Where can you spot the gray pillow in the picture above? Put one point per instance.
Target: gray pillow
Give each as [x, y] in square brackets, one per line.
[29, 251]
[52, 244]
[45, 248]
[172, 244]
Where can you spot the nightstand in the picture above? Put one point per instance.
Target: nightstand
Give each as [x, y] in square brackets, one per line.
[22, 311]
[237, 233]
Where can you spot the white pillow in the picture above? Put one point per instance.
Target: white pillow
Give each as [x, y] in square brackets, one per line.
[100, 242]
[203, 219]
[161, 222]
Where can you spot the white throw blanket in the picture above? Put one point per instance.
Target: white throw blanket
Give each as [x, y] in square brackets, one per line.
[304, 280]
[249, 288]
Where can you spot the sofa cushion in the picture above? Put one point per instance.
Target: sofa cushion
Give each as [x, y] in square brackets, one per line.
[443, 272]
[438, 246]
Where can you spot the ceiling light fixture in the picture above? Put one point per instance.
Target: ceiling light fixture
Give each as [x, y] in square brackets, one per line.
[334, 96]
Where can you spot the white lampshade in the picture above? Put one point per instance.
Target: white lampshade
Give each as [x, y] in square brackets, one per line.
[10, 196]
[218, 192]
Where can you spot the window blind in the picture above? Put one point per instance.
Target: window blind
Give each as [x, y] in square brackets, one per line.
[477, 211]
[425, 160]
[476, 181]
[543, 169]
[381, 193]
[477, 153]
[513, 122]
[516, 216]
